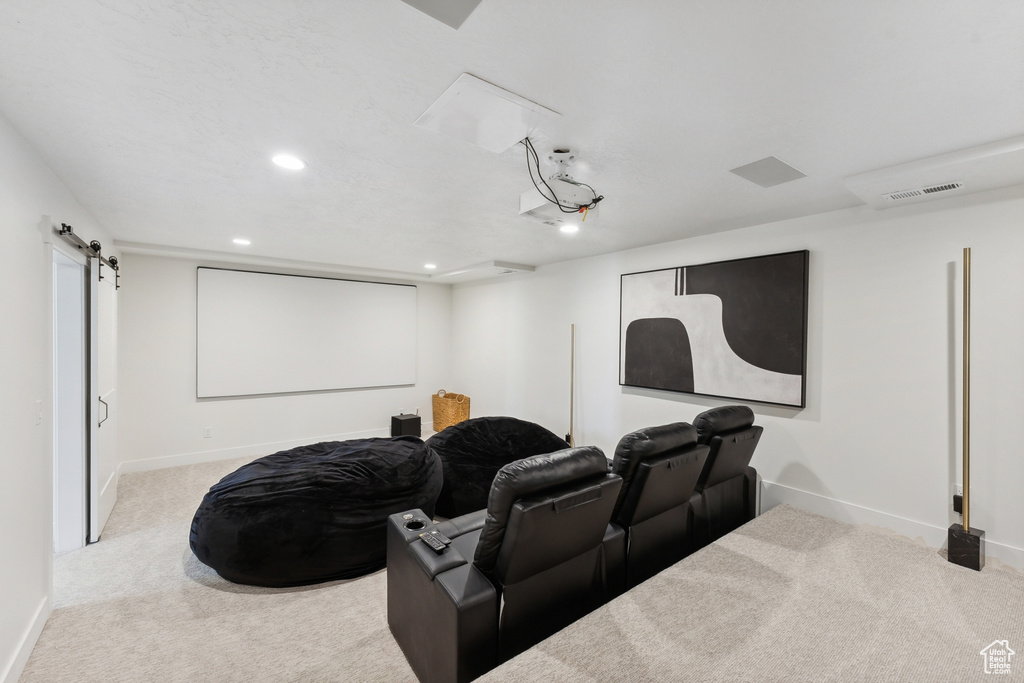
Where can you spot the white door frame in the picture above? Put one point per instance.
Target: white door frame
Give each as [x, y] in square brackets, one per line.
[100, 310]
[70, 405]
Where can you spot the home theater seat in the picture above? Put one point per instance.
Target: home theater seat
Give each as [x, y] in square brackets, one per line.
[659, 467]
[726, 497]
[531, 563]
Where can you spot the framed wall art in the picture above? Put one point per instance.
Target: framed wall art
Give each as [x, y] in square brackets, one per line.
[734, 329]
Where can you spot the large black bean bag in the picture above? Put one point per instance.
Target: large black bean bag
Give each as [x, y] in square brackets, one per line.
[472, 452]
[313, 513]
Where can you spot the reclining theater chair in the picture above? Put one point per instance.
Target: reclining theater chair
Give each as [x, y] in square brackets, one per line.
[530, 564]
[726, 496]
[659, 467]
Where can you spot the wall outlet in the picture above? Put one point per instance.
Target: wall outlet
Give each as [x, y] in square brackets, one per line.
[39, 411]
[958, 499]
[207, 432]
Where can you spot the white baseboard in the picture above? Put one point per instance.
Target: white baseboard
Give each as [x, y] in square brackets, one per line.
[254, 451]
[16, 665]
[773, 494]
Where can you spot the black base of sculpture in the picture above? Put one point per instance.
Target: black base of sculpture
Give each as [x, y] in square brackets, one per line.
[966, 548]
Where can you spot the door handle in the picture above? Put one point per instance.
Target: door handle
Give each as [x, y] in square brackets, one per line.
[106, 411]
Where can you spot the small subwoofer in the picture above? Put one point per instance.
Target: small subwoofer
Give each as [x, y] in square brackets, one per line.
[405, 425]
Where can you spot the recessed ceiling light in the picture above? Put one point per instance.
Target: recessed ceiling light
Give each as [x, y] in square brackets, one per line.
[430, 266]
[241, 241]
[570, 228]
[288, 161]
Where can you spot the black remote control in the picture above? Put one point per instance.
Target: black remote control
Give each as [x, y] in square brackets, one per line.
[436, 540]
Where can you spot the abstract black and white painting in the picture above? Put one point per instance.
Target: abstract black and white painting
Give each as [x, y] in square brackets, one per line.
[734, 329]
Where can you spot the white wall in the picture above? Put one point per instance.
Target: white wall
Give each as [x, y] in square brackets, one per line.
[28, 191]
[879, 439]
[162, 422]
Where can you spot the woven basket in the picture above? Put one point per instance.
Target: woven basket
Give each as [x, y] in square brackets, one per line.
[449, 409]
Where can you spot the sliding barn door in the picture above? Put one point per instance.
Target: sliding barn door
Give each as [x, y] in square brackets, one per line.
[103, 397]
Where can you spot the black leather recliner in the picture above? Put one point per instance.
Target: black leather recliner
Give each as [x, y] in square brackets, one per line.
[726, 497]
[533, 562]
[659, 467]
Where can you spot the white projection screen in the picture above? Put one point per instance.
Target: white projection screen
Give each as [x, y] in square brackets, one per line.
[265, 333]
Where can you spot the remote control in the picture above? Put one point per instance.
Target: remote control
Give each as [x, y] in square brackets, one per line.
[436, 540]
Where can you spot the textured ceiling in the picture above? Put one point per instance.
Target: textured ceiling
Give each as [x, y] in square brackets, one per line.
[161, 117]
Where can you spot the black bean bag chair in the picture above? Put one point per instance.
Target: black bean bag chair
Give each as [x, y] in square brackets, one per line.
[314, 513]
[472, 451]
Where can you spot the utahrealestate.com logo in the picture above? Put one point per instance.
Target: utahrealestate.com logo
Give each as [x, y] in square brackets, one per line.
[997, 657]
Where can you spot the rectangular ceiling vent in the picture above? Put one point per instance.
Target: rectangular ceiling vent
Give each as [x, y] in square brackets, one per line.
[922, 191]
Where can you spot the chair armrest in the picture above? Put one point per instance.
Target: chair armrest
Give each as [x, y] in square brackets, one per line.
[700, 533]
[433, 563]
[614, 549]
[441, 609]
[752, 492]
[456, 526]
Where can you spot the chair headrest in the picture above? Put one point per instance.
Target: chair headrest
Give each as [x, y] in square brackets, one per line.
[649, 442]
[528, 476]
[718, 421]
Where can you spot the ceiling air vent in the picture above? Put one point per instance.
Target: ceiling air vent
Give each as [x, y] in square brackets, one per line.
[922, 191]
[942, 188]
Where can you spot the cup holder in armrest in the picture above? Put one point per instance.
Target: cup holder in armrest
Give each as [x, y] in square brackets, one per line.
[410, 524]
[415, 524]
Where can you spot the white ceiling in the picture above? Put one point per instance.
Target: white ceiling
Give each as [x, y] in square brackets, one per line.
[161, 116]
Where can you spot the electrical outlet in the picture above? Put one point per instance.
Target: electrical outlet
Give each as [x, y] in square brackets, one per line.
[207, 433]
[958, 490]
[39, 411]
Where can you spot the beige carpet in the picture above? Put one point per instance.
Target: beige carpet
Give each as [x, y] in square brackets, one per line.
[790, 597]
[138, 606]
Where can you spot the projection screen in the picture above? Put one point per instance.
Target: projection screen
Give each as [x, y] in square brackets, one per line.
[266, 333]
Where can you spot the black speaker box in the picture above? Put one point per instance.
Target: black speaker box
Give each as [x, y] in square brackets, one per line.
[405, 425]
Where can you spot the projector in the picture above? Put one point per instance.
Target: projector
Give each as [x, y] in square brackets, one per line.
[532, 204]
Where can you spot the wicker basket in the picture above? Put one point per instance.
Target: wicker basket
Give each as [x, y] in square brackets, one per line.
[449, 409]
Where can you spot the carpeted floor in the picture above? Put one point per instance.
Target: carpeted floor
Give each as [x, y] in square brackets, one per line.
[789, 597]
[138, 606]
[793, 596]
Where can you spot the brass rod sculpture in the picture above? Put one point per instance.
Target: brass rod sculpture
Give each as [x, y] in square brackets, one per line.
[572, 380]
[966, 546]
[967, 390]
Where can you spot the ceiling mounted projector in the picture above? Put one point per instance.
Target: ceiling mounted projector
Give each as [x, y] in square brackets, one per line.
[534, 205]
[559, 200]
